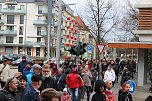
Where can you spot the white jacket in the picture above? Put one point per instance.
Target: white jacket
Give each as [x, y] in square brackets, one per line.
[5, 73]
[109, 75]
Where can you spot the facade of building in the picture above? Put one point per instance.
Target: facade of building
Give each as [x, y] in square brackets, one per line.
[23, 27]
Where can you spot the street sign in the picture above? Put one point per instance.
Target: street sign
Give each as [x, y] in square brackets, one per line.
[100, 47]
[89, 48]
[132, 87]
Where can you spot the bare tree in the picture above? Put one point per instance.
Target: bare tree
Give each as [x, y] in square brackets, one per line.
[129, 21]
[101, 18]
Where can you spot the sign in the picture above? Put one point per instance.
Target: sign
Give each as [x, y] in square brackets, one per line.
[89, 48]
[132, 87]
[100, 47]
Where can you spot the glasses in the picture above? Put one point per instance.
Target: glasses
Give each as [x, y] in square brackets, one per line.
[46, 71]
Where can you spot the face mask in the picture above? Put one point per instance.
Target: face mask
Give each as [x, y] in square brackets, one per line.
[46, 76]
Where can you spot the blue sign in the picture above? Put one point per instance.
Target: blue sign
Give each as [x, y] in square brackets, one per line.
[132, 86]
[89, 48]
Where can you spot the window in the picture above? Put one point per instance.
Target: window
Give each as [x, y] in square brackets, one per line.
[20, 39]
[22, 19]
[9, 39]
[29, 51]
[10, 19]
[0, 6]
[19, 50]
[38, 39]
[38, 30]
[22, 6]
[37, 51]
[39, 9]
[21, 30]
[11, 6]
[10, 28]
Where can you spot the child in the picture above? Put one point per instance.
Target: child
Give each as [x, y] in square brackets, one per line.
[124, 94]
[65, 96]
[109, 93]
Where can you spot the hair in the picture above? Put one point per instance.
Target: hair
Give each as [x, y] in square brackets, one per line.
[46, 66]
[123, 86]
[107, 81]
[60, 69]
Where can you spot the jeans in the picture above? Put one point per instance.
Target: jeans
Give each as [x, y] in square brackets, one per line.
[74, 94]
[88, 90]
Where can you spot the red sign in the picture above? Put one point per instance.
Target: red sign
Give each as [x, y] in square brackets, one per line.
[100, 47]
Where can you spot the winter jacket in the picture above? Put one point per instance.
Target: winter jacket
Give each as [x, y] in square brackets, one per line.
[87, 78]
[5, 72]
[21, 66]
[30, 94]
[109, 75]
[74, 80]
[48, 82]
[26, 71]
[7, 95]
[110, 95]
[99, 95]
[61, 81]
[123, 96]
[29, 77]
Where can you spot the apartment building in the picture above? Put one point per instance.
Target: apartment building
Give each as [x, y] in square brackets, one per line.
[23, 27]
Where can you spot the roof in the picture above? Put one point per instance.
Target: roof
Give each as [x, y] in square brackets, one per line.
[80, 22]
[147, 45]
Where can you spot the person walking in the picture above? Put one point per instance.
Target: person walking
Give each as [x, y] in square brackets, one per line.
[74, 82]
[124, 94]
[48, 82]
[22, 64]
[4, 73]
[31, 92]
[9, 92]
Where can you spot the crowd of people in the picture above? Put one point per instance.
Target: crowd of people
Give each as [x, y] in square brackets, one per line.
[46, 82]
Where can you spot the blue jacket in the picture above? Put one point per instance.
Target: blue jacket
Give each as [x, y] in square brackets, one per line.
[29, 77]
[21, 66]
[26, 71]
[30, 94]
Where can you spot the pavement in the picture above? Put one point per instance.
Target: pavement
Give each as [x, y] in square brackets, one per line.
[140, 94]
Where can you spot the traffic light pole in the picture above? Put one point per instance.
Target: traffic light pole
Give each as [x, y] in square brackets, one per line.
[78, 50]
[59, 34]
[49, 28]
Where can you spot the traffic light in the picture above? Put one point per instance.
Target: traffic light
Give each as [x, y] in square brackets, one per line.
[73, 50]
[82, 48]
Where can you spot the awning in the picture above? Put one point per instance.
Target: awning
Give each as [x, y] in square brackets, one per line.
[130, 45]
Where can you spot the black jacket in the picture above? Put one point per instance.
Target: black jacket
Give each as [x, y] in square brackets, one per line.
[21, 66]
[48, 82]
[7, 95]
[124, 97]
[61, 81]
[99, 96]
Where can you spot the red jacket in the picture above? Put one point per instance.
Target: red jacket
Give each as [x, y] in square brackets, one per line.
[74, 80]
[110, 95]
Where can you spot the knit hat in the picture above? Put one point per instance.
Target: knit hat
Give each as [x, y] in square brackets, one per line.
[37, 66]
[36, 78]
[65, 90]
[23, 77]
[50, 93]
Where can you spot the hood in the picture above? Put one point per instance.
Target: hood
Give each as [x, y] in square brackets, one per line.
[31, 71]
[98, 84]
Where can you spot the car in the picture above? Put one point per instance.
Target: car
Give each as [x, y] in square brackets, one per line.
[16, 62]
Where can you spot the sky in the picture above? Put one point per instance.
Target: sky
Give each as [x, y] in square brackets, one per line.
[80, 4]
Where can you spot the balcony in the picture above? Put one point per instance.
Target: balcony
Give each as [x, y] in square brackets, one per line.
[8, 32]
[34, 44]
[54, 12]
[1, 22]
[10, 1]
[40, 22]
[43, 33]
[12, 11]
